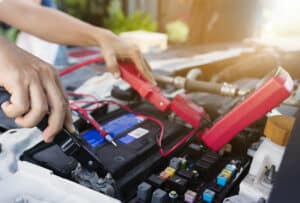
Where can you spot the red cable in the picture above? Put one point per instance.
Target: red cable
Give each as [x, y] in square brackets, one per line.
[92, 121]
[100, 129]
[177, 145]
[83, 101]
[80, 65]
[162, 128]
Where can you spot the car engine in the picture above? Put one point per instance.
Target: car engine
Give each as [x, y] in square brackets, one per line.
[156, 156]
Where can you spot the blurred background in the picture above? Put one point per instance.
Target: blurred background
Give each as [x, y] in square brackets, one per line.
[190, 21]
[203, 21]
[250, 37]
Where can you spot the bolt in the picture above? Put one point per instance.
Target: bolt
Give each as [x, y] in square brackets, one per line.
[90, 163]
[108, 176]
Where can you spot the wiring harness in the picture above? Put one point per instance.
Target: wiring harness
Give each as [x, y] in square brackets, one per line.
[84, 112]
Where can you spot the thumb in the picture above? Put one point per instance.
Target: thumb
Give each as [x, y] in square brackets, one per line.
[111, 62]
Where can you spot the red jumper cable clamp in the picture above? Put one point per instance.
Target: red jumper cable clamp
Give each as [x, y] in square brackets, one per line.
[185, 109]
[275, 89]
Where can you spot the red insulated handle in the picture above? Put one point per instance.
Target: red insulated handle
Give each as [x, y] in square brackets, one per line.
[263, 100]
[184, 108]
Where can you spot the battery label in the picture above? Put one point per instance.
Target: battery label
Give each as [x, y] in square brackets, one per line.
[138, 133]
[133, 135]
[116, 127]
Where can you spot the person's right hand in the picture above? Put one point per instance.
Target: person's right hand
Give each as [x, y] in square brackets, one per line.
[35, 91]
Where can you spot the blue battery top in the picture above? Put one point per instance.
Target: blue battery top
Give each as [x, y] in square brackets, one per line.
[114, 127]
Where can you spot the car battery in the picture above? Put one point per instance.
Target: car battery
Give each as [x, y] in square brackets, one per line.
[137, 153]
[135, 136]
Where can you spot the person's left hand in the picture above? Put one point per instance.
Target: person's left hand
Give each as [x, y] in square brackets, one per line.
[115, 49]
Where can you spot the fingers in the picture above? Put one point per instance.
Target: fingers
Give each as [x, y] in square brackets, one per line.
[33, 88]
[142, 66]
[30, 103]
[111, 62]
[68, 115]
[38, 106]
[57, 105]
[19, 102]
[149, 72]
[69, 121]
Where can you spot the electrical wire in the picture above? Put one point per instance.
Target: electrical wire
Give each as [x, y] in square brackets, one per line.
[80, 65]
[157, 121]
[84, 112]
[177, 145]
[80, 101]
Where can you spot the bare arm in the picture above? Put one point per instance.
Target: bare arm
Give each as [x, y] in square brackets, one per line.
[48, 24]
[35, 91]
[55, 26]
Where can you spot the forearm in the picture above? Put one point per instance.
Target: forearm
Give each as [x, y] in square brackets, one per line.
[3, 42]
[49, 24]
[58, 27]
[5, 47]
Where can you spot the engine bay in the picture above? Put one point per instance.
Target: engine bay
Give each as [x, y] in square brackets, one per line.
[146, 163]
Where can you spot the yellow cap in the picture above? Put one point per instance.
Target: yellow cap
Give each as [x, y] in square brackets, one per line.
[227, 173]
[170, 171]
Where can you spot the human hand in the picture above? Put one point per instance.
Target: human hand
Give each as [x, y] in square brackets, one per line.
[115, 49]
[35, 91]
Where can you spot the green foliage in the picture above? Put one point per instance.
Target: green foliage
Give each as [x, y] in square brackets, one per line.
[11, 34]
[73, 7]
[118, 22]
[86, 10]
